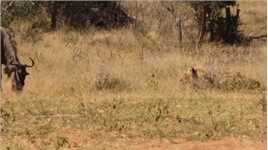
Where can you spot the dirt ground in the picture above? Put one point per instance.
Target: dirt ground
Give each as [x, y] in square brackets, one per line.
[76, 140]
[225, 144]
[164, 144]
[122, 142]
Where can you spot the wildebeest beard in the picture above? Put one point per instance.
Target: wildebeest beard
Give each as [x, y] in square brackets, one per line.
[18, 78]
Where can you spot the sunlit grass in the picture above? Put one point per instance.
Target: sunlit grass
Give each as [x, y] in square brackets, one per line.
[106, 84]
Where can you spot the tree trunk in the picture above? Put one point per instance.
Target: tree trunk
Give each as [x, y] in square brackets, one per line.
[179, 28]
[227, 37]
[202, 27]
[54, 13]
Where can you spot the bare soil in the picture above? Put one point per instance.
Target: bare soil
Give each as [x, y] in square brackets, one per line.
[224, 144]
[74, 139]
[122, 142]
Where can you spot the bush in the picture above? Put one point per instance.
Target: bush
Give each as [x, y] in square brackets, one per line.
[100, 14]
[11, 10]
[217, 19]
[78, 14]
[106, 81]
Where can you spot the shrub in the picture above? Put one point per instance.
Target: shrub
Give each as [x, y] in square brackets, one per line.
[217, 19]
[106, 81]
[11, 10]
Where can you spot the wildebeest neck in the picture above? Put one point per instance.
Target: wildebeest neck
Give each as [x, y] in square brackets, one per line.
[8, 51]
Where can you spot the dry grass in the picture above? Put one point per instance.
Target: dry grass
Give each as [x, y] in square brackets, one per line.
[106, 84]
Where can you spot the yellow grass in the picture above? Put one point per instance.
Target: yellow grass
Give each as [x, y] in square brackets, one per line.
[142, 74]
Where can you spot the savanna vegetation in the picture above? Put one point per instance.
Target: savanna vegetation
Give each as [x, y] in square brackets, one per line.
[109, 75]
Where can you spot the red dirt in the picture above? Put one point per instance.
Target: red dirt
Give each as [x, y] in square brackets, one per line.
[224, 144]
[78, 140]
[117, 143]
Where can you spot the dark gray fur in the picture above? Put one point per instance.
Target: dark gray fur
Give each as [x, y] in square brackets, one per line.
[13, 67]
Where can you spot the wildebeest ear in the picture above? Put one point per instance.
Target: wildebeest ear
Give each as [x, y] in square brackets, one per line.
[8, 71]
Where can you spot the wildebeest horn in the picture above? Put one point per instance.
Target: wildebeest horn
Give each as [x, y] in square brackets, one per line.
[32, 63]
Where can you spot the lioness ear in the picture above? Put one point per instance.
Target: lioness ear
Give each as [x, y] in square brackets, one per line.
[194, 73]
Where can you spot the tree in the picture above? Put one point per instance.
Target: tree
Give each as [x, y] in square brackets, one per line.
[103, 14]
[79, 14]
[216, 18]
[11, 10]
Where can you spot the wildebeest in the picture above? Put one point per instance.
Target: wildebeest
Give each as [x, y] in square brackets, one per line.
[13, 67]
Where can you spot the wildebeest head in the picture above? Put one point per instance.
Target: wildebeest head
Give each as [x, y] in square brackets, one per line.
[18, 73]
